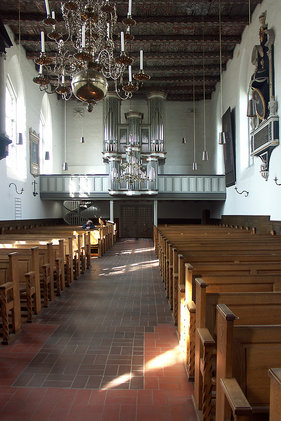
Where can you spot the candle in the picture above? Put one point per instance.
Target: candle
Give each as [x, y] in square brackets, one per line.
[141, 59]
[42, 42]
[47, 7]
[40, 69]
[130, 73]
[122, 42]
[53, 17]
[83, 36]
[107, 30]
[130, 8]
[62, 77]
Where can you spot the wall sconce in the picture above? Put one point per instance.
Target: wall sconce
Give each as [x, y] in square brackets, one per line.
[184, 140]
[35, 193]
[276, 181]
[47, 156]
[13, 184]
[19, 139]
[242, 192]
[82, 139]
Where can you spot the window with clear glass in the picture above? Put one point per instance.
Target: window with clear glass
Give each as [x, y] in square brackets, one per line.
[11, 111]
[11, 122]
[43, 137]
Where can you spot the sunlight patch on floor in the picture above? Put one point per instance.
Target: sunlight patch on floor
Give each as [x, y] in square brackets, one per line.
[167, 359]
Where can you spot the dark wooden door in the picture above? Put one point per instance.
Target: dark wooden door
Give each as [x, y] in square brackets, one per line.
[136, 221]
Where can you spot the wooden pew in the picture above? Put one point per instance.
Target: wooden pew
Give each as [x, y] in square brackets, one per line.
[267, 277]
[9, 296]
[275, 394]
[259, 307]
[28, 278]
[63, 250]
[46, 263]
[223, 256]
[94, 240]
[245, 353]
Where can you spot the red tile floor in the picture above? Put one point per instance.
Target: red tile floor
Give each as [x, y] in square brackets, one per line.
[105, 350]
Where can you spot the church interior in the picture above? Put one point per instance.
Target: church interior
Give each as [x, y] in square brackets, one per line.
[139, 228]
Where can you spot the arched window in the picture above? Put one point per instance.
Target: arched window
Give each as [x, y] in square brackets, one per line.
[11, 120]
[45, 130]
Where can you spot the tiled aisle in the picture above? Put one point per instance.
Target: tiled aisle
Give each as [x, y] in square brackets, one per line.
[106, 350]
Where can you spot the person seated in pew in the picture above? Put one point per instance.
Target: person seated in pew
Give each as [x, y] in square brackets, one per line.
[89, 225]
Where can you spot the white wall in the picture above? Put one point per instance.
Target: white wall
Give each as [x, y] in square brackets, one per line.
[87, 158]
[264, 196]
[21, 72]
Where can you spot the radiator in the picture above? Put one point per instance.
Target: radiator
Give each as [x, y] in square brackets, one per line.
[265, 136]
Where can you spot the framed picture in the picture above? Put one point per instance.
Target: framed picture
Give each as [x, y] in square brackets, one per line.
[228, 126]
[34, 152]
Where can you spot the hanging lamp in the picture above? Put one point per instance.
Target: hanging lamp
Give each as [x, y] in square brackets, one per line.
[222, 137]
[194, 164]
[65, 164]
[205, 155]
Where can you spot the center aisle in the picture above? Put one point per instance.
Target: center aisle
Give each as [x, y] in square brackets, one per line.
[105, 350]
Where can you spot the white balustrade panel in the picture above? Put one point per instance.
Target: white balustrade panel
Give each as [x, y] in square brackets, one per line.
[191, 184]
[88, 185]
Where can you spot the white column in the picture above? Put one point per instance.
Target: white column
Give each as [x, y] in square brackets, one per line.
[155, 212]
[111, 210]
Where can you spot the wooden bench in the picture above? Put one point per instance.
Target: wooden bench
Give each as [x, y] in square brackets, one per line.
[9, 296]
[219, 272]
[223, 256]
[98, 238]
[28, 278]
[275, 394]
[65, 257]
[46, 262]
[258, 307]
[245, 353]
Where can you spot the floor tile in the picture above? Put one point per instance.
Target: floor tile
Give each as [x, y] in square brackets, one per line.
[106, 349]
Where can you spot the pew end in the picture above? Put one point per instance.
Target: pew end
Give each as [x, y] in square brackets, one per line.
[240, 407]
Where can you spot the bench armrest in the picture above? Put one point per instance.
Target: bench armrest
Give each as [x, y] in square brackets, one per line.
[236, 398]
[205, 336]
[7, 286]
[191, 306]
[181, 287]
[46, 265]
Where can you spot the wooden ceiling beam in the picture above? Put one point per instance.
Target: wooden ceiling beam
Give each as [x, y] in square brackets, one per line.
[226, 39]
[28, 18]
[150, 55]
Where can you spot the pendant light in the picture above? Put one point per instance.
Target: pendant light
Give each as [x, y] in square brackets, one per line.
[194, 164]
[205, 155]
[65, 164]
[222, 137]
[82, 138]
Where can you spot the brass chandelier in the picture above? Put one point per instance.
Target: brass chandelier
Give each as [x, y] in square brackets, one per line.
[86, 53]
[131, 170]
